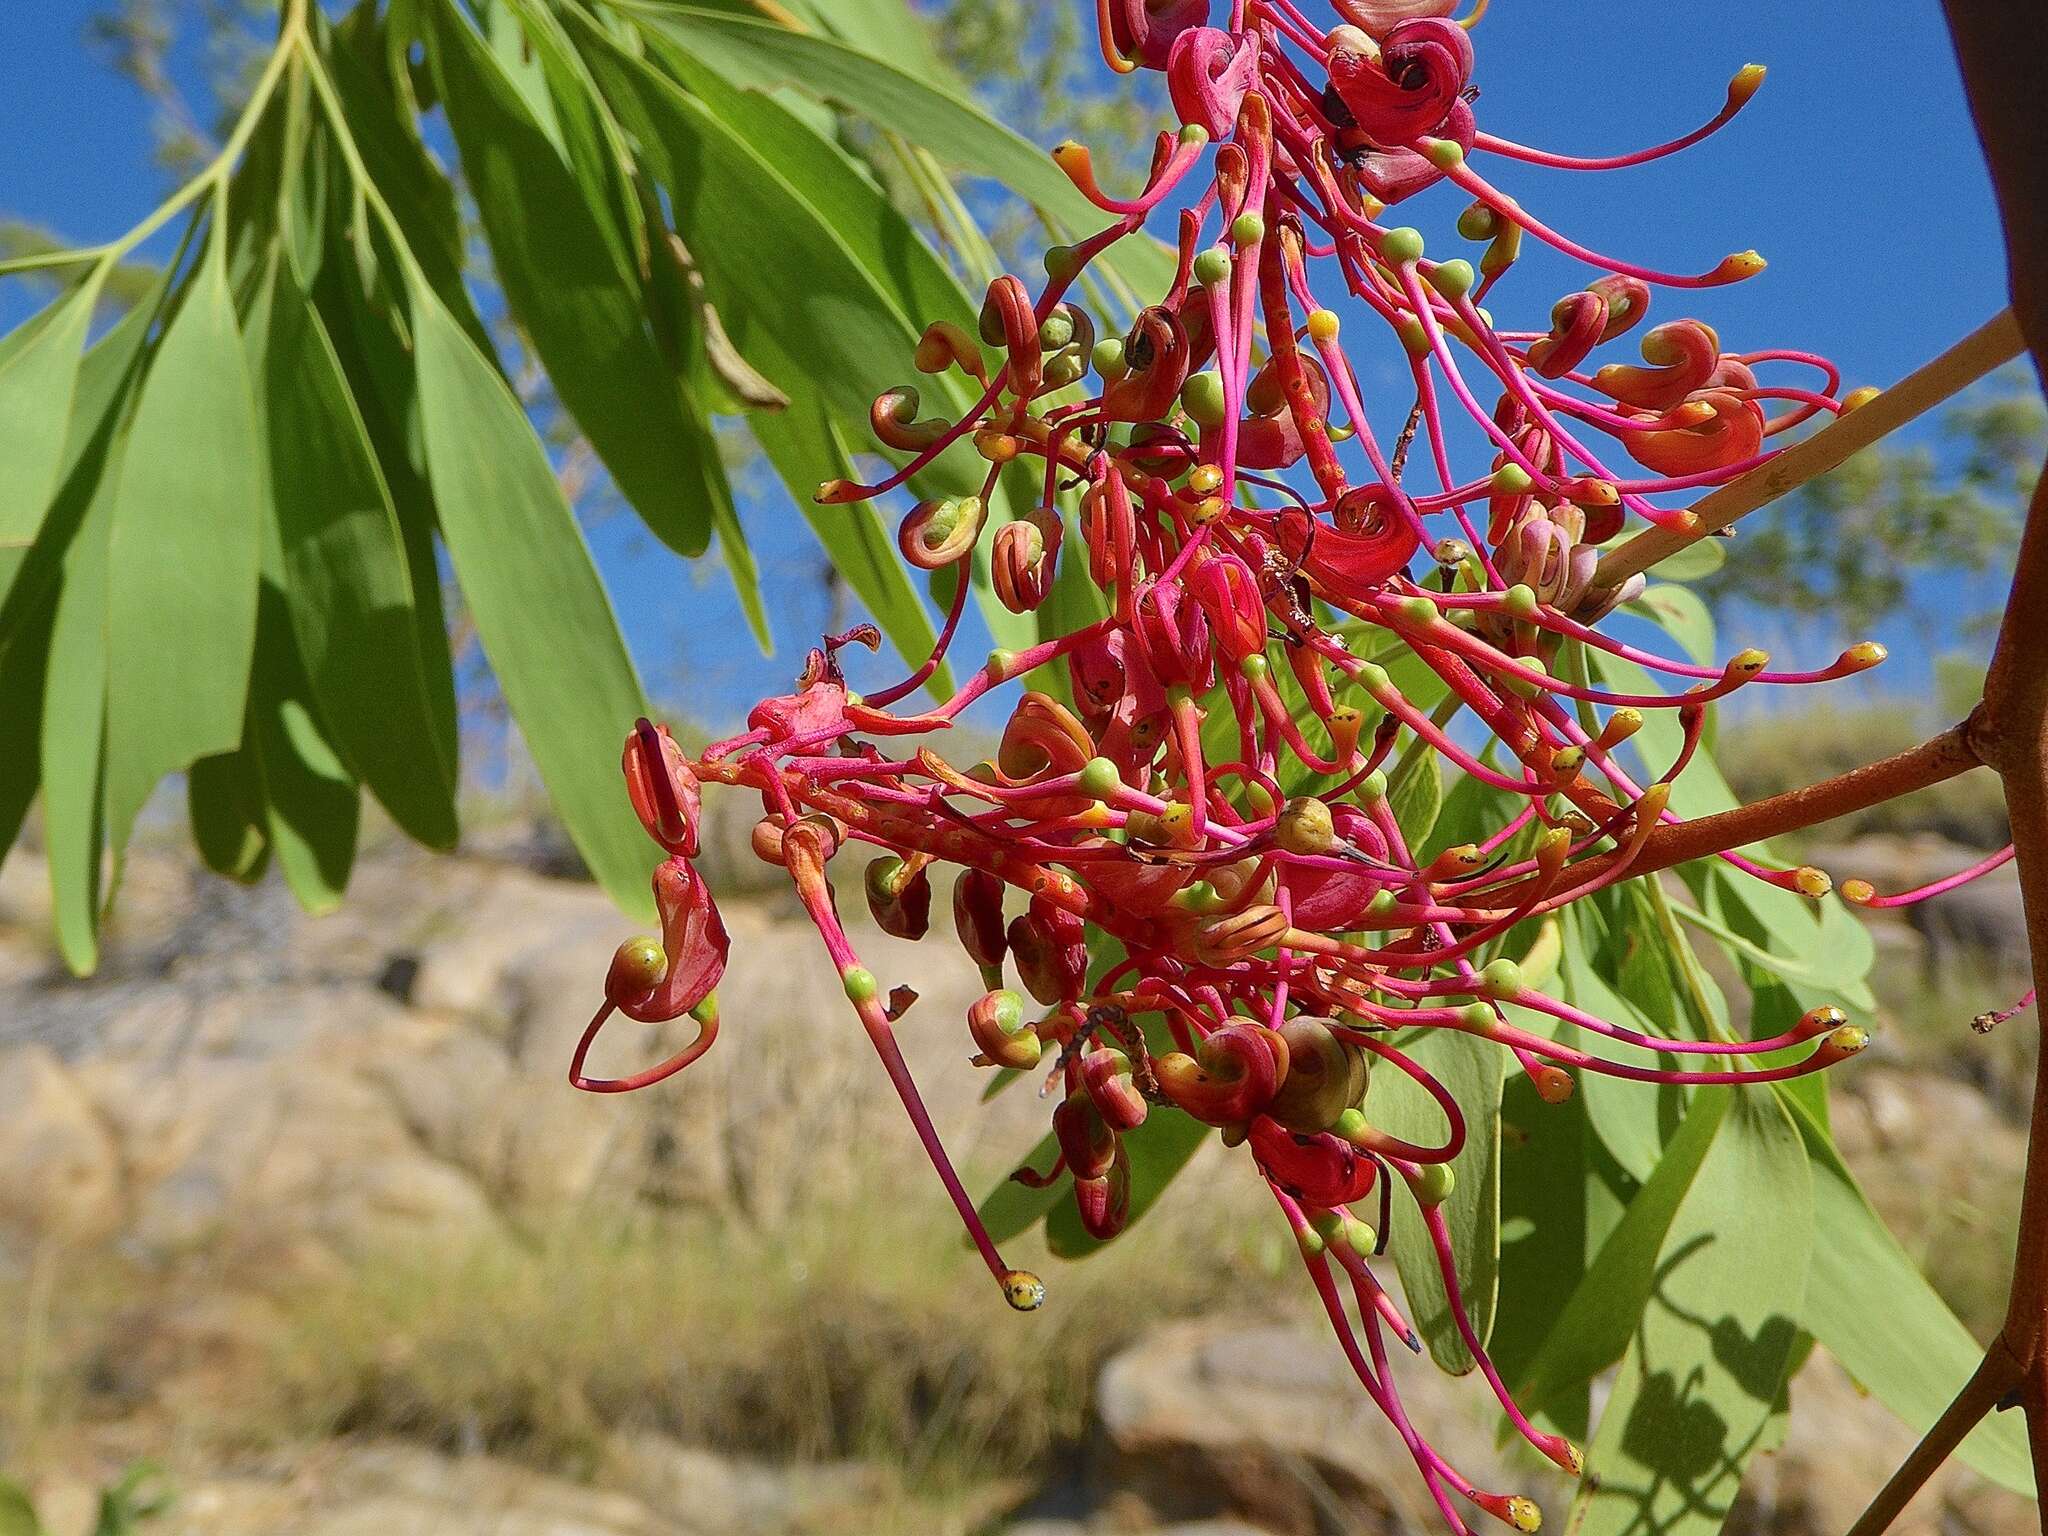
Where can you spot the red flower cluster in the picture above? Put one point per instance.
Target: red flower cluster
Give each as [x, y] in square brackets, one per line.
[1263, 559]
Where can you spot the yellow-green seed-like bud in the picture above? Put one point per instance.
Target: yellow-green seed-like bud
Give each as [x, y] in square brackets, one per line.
[1306, 826]
[1100, 778]
[1402, 244]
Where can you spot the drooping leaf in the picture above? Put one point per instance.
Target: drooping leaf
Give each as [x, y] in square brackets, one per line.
[762, 55]
[38, 373]
[565, 285]
[182, 569]
[1012, 1208]
[518, 553]
[375, 358]
[1593, 1330]
[1543, 1220]
[1696, 1394]
[73, 741]
[311, 803]
[101, 398]
[1472, 1070]
[345, 570]
[224, 802]
[1634, 1121]
[412, 185]
[1418, 799]
[24, 661]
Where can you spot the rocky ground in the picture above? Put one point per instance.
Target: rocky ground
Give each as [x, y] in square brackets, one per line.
[248, 1109]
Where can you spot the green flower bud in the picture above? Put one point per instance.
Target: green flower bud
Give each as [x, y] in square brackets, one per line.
[1100, 778]
[1402, 244]
[1453, 279]
[1202, 398]
[1212, 267]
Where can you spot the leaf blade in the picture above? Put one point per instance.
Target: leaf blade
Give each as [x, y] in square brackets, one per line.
[517, 552]
[184, 554]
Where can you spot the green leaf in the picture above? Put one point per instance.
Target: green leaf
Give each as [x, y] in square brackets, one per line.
[1544, 1241]
[1872, 1309]
[346, 573]
[412, 185]
[1418, 799]
[311, 805]
[182, 574]
[1696, 1394]
[763, 56]
[1593, 1330]
[1681, 615]
[1698, 559]
[1634, 1121]
[1473, 1071]
[563, 282]
[100, 400]
[24, 661]
[539, 606]
[224, 801]
[377, 362]
[38, 373]
[73, 742]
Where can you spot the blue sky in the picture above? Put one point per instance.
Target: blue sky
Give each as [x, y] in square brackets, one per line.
[1855, 171]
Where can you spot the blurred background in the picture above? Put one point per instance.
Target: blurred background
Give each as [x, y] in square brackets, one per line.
[301, 1229]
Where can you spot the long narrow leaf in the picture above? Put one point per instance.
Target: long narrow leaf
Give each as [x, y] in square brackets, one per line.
[37, 377]
[1697, 1393]
[520, 556]
[1472, 1070]
[764, 56]
[569, 292]
[182, 574]
[345, 570]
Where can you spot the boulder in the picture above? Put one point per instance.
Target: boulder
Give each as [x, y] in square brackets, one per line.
[1265, 1423]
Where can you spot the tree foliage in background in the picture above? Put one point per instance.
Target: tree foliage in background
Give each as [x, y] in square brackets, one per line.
[1899, 528]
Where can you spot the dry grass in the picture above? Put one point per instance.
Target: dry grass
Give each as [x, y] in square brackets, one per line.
[865, 1333]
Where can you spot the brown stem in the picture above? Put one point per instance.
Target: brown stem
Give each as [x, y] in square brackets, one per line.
[1933, 762]
[1999, 47]
[1994, 1377]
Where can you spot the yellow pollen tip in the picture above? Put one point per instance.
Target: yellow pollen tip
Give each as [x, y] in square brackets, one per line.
[1848, 1040]
[1856, 399]
[1745, 83]
[1865, 655]
[1858, 892]
[1525, 1515]
[1808, 881]
[1024, 1291]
